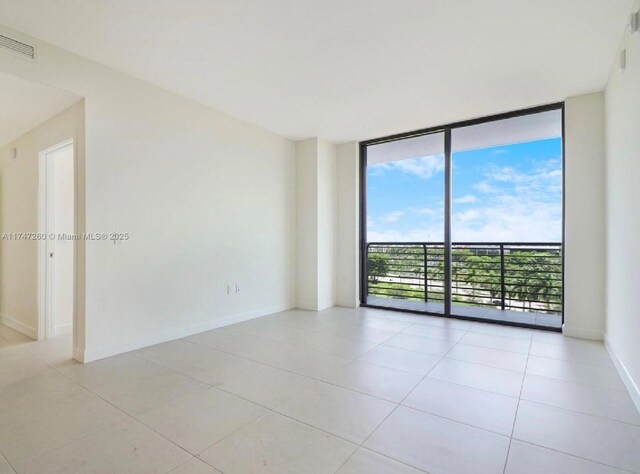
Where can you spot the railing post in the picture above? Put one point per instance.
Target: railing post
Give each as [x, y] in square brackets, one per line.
[426, 287]
[447, 222]
[502, 279]
[364, 284]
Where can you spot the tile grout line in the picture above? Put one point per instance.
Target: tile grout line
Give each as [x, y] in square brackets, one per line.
[355, 391]
[7, 461]
[350, 360]
[327, 382]
[358, 359]
[555, 407]
[515, 416]
[127, 415]
[573, 455]
[409, 393]
[403, 399]
[274, 409]
[361, 445]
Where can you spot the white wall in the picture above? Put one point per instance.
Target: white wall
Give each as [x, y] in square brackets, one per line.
[19, 213]
[317, 206]
[623, 215]
[348, 183]
[584, 196]
[208, 200]
[327, 224]
[307, 224]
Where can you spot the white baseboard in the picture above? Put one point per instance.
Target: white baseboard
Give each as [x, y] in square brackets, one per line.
[177, 333]
[632, 386]
[326, 304]
[307, 306]
[582, 333]
[78, 354]
[347, 304]
[20, 327]
[315, 307]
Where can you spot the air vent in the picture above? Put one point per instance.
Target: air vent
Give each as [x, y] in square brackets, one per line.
[17, 47]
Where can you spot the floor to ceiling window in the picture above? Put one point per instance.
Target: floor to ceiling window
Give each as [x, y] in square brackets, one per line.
[466, 220]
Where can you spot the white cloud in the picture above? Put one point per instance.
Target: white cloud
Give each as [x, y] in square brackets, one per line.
[468, 215]
[425, 211]
[392, 217]
[518, 207]
[514, 207]
[424, 167]
[468, 199]
[434, 233]
[513, 222]
[484, 187]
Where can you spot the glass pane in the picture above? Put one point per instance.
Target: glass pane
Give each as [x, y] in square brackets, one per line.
[507, 219]
[405, 223]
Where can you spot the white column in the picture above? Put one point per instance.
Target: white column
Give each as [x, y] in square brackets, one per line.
[316, 196]
[584, 195]
[347, 281]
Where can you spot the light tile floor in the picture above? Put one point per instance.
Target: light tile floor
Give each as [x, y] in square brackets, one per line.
[343, 390]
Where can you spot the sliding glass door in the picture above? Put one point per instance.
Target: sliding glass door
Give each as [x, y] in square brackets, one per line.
[466, 220]
[405, 225]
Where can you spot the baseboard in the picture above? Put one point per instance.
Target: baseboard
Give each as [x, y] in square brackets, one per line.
[307, 306]
[326, 304]
[632, 386]
[347, 304]
[78, 354]
[177, 333]
[63, 329]
[20, 327]
[315, 306]
[582, 333]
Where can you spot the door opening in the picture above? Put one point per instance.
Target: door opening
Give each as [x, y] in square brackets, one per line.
[57, 240]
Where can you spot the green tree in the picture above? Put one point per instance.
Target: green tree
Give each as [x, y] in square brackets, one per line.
[378, 266]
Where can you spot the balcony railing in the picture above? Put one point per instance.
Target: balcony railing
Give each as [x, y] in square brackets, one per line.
[508, 276]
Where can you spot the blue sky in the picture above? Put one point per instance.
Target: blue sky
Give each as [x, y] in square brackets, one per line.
[509, 193]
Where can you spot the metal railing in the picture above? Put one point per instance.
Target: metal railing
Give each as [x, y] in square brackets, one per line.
[516, 276]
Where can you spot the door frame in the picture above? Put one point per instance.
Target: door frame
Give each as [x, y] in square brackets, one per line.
[46, 266]
[446, 130]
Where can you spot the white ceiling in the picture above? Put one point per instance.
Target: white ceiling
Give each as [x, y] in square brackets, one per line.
[26, 104]
[343, 69]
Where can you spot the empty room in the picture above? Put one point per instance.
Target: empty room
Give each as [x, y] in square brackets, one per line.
[249, 236]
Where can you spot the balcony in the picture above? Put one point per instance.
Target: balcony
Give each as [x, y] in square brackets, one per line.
[517, 283]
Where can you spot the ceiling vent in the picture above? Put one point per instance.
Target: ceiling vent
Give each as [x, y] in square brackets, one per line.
[17, 47]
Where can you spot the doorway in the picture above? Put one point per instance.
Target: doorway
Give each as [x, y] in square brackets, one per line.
[57, 240]
[466, 220]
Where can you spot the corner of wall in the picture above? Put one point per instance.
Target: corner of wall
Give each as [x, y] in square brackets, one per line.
[625, 375]
[584, 195]
[622, 172]
[316, 234]
[175, 333]
[582, 333]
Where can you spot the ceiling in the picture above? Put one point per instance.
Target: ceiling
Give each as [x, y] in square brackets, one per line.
[26, 104]
[343, 69]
